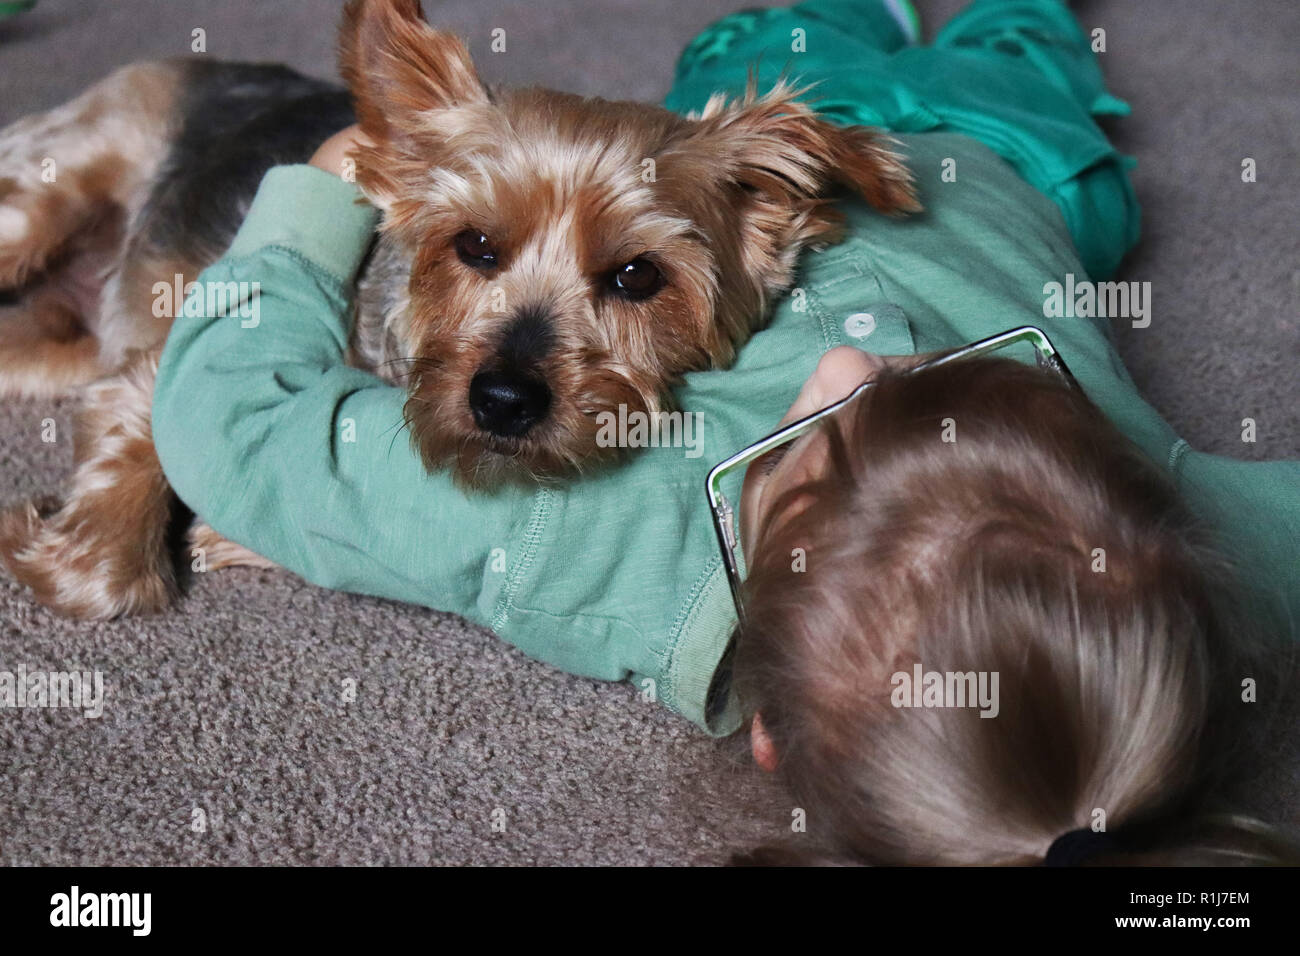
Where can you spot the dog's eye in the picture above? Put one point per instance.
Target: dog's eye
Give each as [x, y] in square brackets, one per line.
[475, 249]
[639, 279]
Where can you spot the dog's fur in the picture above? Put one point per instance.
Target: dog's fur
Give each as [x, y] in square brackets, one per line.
[542, 258]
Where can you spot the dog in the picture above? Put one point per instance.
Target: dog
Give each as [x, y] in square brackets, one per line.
[542, 258]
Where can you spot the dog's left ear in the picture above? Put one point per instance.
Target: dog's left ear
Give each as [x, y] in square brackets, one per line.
[783, 161]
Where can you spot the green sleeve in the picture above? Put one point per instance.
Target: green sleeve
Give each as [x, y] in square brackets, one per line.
[1255, 507]
[265, 433]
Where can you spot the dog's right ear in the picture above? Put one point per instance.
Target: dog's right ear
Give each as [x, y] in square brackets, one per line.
[398, 67]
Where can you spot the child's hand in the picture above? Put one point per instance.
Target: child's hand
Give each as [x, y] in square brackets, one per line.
[334, 155]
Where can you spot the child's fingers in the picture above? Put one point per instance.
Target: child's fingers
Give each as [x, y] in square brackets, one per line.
[335, 154]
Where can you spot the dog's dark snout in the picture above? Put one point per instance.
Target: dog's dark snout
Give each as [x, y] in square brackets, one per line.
[508, 403]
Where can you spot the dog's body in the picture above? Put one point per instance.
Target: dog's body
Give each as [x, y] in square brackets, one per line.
[542, 257]
[224, 126]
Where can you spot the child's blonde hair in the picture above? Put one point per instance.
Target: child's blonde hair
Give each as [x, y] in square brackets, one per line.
[985, 517]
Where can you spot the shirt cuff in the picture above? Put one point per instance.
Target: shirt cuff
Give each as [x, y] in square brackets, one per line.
[700, 670]
[314, 213]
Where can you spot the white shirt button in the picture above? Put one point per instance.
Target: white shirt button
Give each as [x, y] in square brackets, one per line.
[859, 325]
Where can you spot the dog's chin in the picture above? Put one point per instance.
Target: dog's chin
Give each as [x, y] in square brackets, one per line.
[480, 461]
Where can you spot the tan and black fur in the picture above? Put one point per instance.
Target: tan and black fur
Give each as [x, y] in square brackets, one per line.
[507, 358]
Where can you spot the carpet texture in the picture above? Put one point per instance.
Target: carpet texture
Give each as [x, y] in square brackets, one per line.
[229, 734]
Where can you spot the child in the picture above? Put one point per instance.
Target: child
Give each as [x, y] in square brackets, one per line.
[977, 517]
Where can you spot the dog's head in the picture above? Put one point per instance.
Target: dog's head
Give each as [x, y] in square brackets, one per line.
[573, 255]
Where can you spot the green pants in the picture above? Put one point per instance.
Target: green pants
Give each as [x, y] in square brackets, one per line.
[1020, 76]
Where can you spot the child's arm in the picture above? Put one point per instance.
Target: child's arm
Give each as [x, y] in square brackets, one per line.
[265, 432]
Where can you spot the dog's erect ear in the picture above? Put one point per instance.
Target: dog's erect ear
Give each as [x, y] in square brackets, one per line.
[397, 67]
[779, 146]
[785, 161]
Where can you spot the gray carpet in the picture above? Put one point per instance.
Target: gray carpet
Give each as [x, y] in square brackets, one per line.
[233, 703]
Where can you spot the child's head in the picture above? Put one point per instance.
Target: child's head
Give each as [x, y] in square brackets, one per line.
[977, 519]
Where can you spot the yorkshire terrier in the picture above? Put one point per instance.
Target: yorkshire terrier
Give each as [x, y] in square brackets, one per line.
[542, 257]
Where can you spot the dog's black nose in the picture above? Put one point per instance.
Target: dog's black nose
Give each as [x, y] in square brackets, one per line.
[508, 403]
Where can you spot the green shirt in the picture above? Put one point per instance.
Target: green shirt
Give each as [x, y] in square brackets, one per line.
[265, 433]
